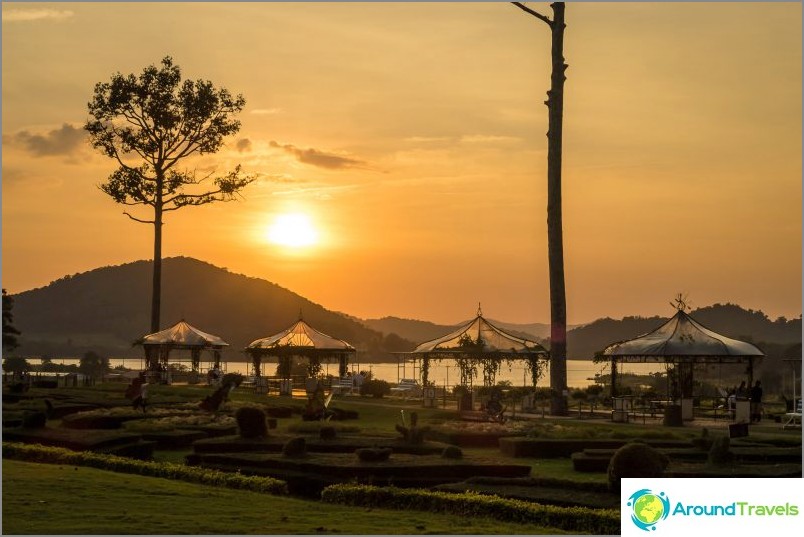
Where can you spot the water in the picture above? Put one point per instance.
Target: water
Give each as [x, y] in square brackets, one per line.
[580, 373]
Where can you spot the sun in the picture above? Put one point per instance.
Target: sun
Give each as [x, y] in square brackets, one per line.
[294, 230]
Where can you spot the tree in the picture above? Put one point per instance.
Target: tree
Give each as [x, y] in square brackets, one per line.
[93, 365]
[152, 124]
[555, 240]
[10, 333]
[16, 364]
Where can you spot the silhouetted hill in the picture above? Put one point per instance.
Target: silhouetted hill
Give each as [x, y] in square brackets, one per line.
[727, 319]
[421, 331]
[106, 309]
[410, 329]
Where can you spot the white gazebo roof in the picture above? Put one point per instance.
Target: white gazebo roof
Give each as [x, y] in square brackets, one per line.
[301, 336]
[183, 334]
[480, 330]
[682, 337]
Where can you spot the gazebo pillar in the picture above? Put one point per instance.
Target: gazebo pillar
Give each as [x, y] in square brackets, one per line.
[613, 376]
[151, 358]
[257, 359]
[195, 356]
[217, 358]
[343, 361]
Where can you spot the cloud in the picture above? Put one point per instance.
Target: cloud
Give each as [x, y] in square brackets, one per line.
[265, 111]
[486, 138]
[27, 15]
[314, 157]
[63, 141]
[243, 145]
[281, 178]
[427, 139]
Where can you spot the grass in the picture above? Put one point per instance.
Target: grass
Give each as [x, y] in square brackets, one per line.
[51, 499]
[543, 468]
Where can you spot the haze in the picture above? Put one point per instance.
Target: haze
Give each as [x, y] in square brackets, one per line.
[412, 136]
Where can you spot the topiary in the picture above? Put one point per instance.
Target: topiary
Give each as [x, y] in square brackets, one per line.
[452, 452]
[373, 454]
[251, 422]
[295, 447]
[720, 453]
[703, 442]
[375, 388]
[327, 432]
[413, 434]
[34, 420]
[635, 460]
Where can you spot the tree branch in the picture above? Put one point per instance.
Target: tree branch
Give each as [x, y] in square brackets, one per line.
[138, 220]
[536, 14]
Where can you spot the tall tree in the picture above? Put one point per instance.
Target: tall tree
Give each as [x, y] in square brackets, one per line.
[555, 240]
[151, 124]
[10, 332]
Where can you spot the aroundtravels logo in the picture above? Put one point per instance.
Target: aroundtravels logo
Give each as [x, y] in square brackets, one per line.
[712, 505]
[648, 508]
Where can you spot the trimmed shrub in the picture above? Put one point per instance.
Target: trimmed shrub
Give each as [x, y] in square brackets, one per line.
[251, 422]
[34, 420]
[635, 460]
[295, 447]
[314, 427]
[375, 388]
[471, 504]
[373, 454]
[53, 455]
[327, 432]
[279, 412]
[720, 453]
[703, 442]
[452, 452]
[413, 434]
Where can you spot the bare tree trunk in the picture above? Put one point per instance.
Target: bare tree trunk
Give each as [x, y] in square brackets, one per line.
[156, 295]
[555, 241]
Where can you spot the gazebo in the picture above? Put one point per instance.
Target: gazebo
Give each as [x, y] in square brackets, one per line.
[181, 336]
[683, 342]
[480, 343]
[300, 339]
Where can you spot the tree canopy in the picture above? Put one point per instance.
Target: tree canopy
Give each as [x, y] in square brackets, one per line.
[151, 125]
[10, 332]
[160, 121]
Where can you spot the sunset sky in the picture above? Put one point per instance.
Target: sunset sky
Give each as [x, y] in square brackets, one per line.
[410, 141]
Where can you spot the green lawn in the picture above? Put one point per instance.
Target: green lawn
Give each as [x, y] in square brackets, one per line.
[51, 499]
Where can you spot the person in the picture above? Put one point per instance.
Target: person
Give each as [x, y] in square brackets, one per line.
[732, 401]
[213, 376]
[756, 402]
[742, 391]
[359, 380]
[316, 408]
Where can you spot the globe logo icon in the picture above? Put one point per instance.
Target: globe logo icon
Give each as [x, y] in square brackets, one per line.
[648, 508]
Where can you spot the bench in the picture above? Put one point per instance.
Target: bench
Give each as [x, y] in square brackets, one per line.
[258, 384]
[793, 418]
[407, 387]
[342, 384]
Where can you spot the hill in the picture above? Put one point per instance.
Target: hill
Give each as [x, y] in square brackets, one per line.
[421, 331]
[106, 309]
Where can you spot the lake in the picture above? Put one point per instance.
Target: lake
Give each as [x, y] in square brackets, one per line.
[580, 373]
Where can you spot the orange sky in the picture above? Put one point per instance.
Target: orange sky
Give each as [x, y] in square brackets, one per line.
[413, 137]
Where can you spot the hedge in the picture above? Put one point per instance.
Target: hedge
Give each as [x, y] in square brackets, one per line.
[54, 455]
[571, 519]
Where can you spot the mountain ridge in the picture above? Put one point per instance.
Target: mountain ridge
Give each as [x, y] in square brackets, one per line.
[107, 308]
